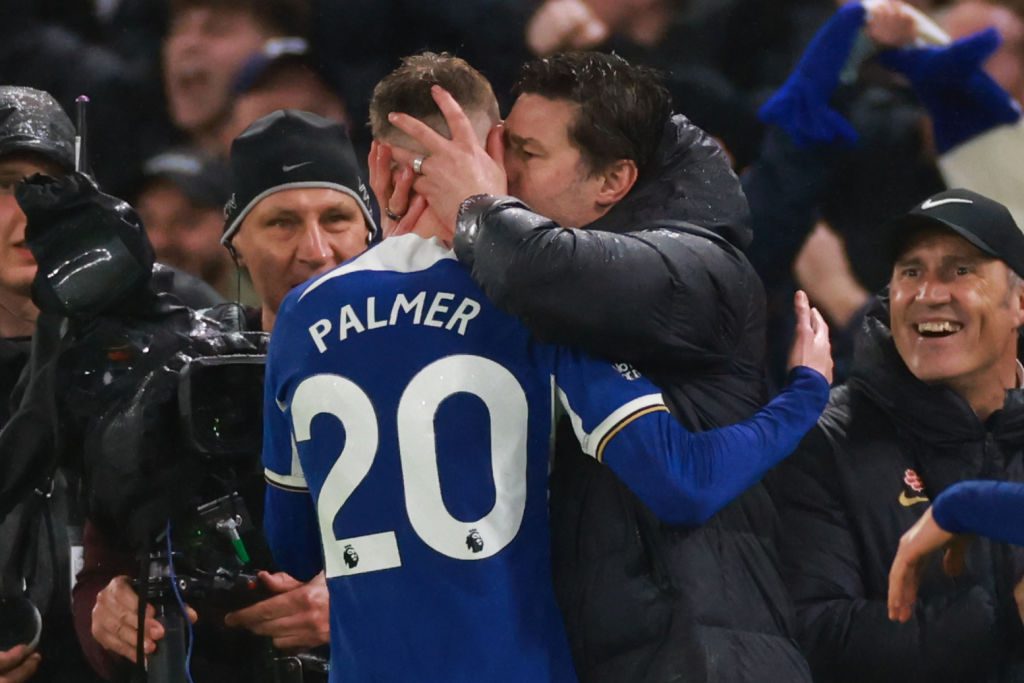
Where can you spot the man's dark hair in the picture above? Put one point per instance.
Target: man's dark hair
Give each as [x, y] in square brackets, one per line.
[279, 17]
[407, 90]
[623, 108]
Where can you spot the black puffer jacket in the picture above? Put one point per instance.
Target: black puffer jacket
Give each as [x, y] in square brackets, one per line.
[644, 602]
[887, 444]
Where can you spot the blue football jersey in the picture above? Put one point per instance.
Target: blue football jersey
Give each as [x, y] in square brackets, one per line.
[407, 443]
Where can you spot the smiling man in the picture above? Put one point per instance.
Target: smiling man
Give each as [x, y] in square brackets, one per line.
[934, 398]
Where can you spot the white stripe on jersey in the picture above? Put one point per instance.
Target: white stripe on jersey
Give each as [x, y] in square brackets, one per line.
[284, 481]
[591, 441]
[404, 254]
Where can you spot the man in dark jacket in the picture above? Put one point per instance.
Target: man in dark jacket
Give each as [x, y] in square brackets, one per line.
[658, 280]
[934, 397]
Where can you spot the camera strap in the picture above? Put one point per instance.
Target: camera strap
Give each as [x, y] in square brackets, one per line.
[35, 548]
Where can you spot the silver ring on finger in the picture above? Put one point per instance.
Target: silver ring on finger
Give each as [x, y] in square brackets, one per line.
[392, 215]
[417, 165]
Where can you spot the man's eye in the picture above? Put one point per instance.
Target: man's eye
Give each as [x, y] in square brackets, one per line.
[910, 272]
[963, 270]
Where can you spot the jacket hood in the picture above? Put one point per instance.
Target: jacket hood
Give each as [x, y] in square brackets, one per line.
[691, 181]
[934, 413]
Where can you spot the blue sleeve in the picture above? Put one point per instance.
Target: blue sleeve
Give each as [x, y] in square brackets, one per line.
[684, 477]
[987, 508]
[289, 520]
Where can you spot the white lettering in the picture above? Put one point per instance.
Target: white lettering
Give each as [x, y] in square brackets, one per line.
[371, 315]
[403, 305]
[441, 313]
[349, 321]
[318, 331]
[437, 307]
[466, 311]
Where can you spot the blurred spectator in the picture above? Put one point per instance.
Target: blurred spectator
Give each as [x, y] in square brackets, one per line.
[283, 74]
[181, 203]
[846, 151]
[934, 398]
[359, 41]
[207, 43]
[125, 108]
[986, 156]
[1006, 65]
[715, 84]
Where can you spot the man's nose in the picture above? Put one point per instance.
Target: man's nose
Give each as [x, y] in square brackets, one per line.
[933, 290]
[314, 251]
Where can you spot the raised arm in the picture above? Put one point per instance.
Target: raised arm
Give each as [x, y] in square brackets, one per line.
[686, 477]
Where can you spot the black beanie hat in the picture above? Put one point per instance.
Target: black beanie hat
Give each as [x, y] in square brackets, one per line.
[290, 149]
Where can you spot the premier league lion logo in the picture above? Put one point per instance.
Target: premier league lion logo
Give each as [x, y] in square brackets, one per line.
[474, 541]
[351, 556]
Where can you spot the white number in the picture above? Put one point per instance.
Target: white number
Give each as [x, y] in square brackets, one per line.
[428, 515]
[337, 396]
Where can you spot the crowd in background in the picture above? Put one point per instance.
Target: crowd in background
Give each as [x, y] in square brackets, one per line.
[837, 118]
[172, 83]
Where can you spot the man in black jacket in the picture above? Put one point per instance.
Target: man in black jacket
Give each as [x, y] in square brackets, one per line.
[658, 280]
[934, 397]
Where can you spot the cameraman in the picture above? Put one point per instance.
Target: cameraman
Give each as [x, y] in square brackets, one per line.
[298, 209]
[36, 136]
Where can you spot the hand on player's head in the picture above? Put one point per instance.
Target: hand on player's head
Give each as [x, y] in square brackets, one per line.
[469, 163]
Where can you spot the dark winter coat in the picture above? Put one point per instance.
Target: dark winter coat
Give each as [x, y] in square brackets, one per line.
[885, 446]
[645, 285]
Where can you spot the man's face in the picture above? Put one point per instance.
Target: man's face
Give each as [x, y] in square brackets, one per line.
[954, 315]
[544, 168]
[202, 53]
[17, 266]
[184, 235]
[292, 235]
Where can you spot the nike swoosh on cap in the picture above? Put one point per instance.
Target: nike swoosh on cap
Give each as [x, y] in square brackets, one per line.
[292, 167]
[931, 204]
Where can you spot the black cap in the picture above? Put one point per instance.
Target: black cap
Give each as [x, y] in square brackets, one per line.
[290, 149]
[32, 121]
[202, 178]
[983, 222]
